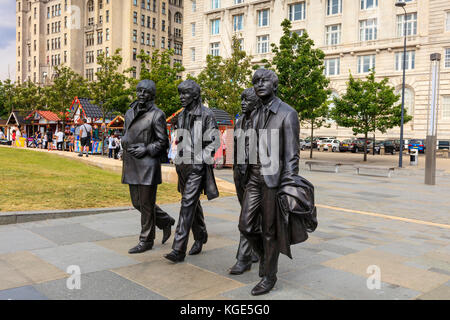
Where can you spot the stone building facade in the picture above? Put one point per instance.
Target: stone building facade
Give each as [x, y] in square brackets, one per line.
[74, 32]
[355, 35]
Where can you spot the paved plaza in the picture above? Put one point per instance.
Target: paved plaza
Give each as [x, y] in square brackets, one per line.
[396, 226]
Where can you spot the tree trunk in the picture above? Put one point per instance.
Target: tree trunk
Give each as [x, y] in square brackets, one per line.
[312, 134]
[101, 133]
[365, 146]
[373, 145]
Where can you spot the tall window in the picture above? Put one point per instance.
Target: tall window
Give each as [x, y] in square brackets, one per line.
[447, 21]
[193, 54]
[238, 1]
[193, 29]
[215, 4]
[91, 6]
[178, 17]
[263, 18]
[368, 4]
[447, 58]
[368, 30]
[332, 67]
[410, 60]
[411, 24]
[135, 17]
[366, 63]
[214, 49]
[238, 22]
[446, 107]
[334, 7]
[134, 35]
[334, 34]
[297, 11]
[215, 26]
[262, 44]
[194, 6]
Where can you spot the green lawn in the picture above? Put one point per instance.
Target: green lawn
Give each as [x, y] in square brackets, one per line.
[31, 180]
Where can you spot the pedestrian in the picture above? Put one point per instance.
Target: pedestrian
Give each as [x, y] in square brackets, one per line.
[111, 145]
[2, 135]
[85, 136]
[71, 141]
[49, 138]
[118, 146]
[59, 140]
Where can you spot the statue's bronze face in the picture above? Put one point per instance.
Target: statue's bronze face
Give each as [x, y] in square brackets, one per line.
[145, 91]
[248, 104]
[187, 97]
[264, 85]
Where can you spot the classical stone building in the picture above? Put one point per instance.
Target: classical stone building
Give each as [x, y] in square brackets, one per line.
[74, 32]
[356, 35]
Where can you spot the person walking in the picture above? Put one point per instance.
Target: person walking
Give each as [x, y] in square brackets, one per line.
[85, 137]
[71, 142]
[59, 140]
[111, 145]
[49, 138]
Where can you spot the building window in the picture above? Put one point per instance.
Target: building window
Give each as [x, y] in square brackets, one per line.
[178, 18]
[215, 26]
[238, 1]
[334, 7]
[410, 60]
[333, 35]
[107, 15]
[238, 22]
[163, 9]
[90, 5]
[332, 67]
[368, 4]
[100, 37]
[366, 63]
[262, 44]
[446, 107]
[297, 11]
[194, 5]
[134, 35]
[163, 42]
[447, 58]
[447, 21]
[263, 18]
[214, 49]
[241, 44]
[193, 54]
[142, 37]
[107, 34]
[411, 24]
[163, 25]
[153, 40]
[135, 17]
[178, 49]
[134, 54]
[193, 29]
[215, 4]
[368, 30]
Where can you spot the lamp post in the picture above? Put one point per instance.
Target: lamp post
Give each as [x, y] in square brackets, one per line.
[402, 5]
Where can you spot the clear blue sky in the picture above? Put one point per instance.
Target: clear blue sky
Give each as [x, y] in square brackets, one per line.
[7, 38]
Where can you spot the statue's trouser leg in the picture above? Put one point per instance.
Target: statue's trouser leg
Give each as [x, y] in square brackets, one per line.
[260, 201]
[191, 185]
[143, 198]
[162, 218]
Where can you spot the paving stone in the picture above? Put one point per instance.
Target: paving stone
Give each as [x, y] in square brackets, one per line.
[22, 293]
[350, 242]
[69, 234]
[345, 285]
[22, 268]
[16, 239]
[282, 291]
[328, 247]
[440, 293]
[407, 249]
[178, 281]
[391, 267]
[88, 256]
[117, 227]
[101, 285]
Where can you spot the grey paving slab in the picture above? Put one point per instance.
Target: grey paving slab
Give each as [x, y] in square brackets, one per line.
[16, 239]
[282, 291]
[101, 285]
[328, 247]
[88, 256]
[116, 227]
[407, 249]
[22, 293]
[344, 285]
[70, 233]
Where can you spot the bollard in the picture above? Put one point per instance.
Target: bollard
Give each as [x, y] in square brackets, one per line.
[382, 151]
[414, 157]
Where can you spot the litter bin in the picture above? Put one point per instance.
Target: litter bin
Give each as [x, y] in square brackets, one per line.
[413, 157]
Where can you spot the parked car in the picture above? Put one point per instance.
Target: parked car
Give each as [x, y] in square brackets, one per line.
[302, 144]
[418, 144]
[347, 145]
[359, 145]
[395, 143]
[389, 146]
[329, 143]
[443, 145]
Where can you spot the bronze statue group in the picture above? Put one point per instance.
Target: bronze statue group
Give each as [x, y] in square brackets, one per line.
[277, 205]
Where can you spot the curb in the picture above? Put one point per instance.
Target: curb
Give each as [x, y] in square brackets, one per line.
[30, 216]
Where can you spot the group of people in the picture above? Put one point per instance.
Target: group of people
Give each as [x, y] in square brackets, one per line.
[277, 205]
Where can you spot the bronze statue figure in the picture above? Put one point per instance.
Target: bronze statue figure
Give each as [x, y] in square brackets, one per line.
[197, 140]
[275, 168]
[144, 143]
[242, 147]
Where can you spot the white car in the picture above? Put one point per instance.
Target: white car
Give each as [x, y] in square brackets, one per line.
[329, 143]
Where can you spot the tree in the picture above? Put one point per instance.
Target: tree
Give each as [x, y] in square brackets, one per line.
[157, 67]
[302, 83]
[223, 80]
[27, 96]
[66, 85]
[8, 93]
[368, 106]
[109, 90]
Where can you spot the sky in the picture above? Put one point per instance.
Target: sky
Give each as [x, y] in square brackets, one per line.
[7, 38]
